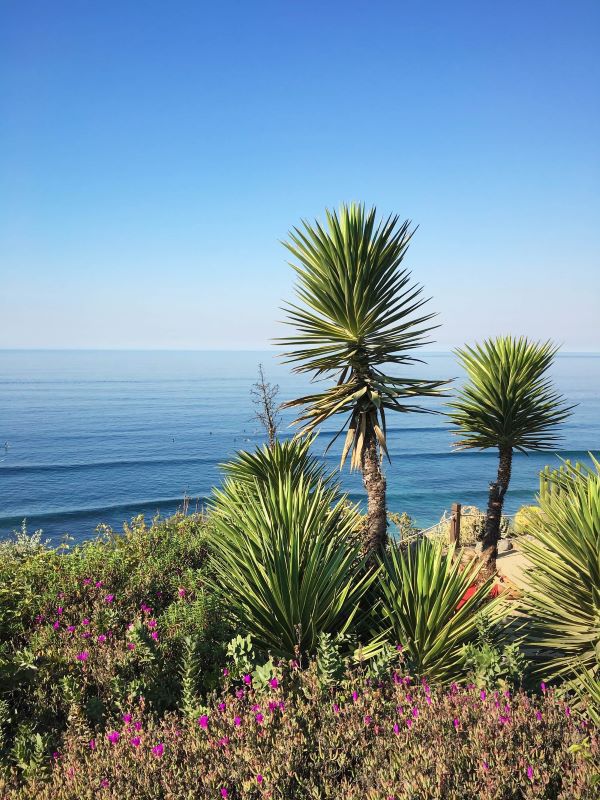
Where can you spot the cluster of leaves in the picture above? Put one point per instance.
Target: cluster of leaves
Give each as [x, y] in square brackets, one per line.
[83, 632]
[295, 736]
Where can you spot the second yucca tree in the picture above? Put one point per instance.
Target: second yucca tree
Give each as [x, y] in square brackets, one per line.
[508, 402]
[359, 314]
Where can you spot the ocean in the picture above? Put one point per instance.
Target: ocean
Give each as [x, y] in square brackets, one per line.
[89, 437]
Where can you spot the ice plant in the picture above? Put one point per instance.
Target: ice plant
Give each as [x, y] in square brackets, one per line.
[203, 721]
[113, 736]
[83, 656]
[158, 750]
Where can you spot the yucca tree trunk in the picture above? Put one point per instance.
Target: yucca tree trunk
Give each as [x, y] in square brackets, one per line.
[376, 525]
[489, 550]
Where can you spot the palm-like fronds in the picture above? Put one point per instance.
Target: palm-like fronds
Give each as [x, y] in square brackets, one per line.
[421, 587]
[287, 562]
[359, 310]
[266, 464]
[563, 598]
[508, 400]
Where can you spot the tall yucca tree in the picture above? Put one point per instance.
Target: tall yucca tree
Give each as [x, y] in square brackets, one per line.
[508, 402]
[359, 310]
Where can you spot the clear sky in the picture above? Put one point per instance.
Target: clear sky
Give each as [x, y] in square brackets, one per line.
[152, 154]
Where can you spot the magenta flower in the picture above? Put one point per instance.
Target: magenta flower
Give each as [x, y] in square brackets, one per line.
[224, 792]
[485, 765]
[415, 712]
[259, 718]
[136, 741]
[336, 708]
[273, 683]
[355, 696]
[137, 726]
[482, 694]
[83, 656]
[109, 598]
[203, 722]
[247, 679]
[456, 723]
[396, 728]
[99, 584]
[86, 635]
[154, 635]
[59, 611]
[126, 718]
[104, 783]
[367, 720]
[146, 609]
[259, 778]
[85, 621]
[113, 736]
[538, 716]
[567, 711]
[530, 773]
[543, 687]
[130, 646]
[56, 625]
[237, 721]
[222, 707]
[224, 741]
[101, 638]
[225, 672]
[71, 628]
[181, 591]
[92, 744]
[158, 749]
[152, 623]
[409, 723]
[87, 581]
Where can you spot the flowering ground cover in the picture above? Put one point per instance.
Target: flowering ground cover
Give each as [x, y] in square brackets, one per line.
[290, 736]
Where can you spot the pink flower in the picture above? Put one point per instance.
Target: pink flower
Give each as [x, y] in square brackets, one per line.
[415, 712]
[203, 722]
[113, 736]
[56, 625]
[109, 598]
[567, 711]
[336, 708]
[87, 581]
[224, 741]
[259, 778]
[59, 611]
[137, 726]
[130, 646]
[181, 591]
[71, 628]
[355, 696]
[154, 635]
[409, 723]
[538, 716]
[259, 718]
[224, 792]
[92, 744]
[85, 621]
[396, 728]
[485, 765]
[225, 672]
[126, 718]
[99, 584]
[83, 656]
[158, 749]
[146, 609]
[273, 683]
[152, 623]
[222, 707]
[237, 721]
[101, 638]
[247, 679]
[136, 741]
[543, 687]
[456, 723]
[367, 720]
[482, 694]
[104, 783]
[530, 773]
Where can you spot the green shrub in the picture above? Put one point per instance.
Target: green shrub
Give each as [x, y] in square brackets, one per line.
[563, 596]
[287, 562]
[422, 586]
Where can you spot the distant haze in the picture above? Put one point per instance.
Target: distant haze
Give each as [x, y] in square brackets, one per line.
[153, 155]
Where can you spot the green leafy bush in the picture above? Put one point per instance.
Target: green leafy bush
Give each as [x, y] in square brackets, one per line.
[287, 562]
[563, 597]
[423, 607]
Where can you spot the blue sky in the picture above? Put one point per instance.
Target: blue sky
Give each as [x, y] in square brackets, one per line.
[152, 154]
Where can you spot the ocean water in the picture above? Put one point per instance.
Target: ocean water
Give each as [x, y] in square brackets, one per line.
[97, 436]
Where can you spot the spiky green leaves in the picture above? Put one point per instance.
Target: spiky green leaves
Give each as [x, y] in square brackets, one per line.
[359, 310]
[287, 561]
[508, 399]
[563, 598]
[422, 586]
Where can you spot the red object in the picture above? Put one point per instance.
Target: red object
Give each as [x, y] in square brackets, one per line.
[494, 592]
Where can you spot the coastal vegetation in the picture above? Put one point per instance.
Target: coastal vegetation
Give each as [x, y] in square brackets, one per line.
[280, 644]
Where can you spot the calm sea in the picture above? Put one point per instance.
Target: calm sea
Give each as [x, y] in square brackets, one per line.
[97, 436]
